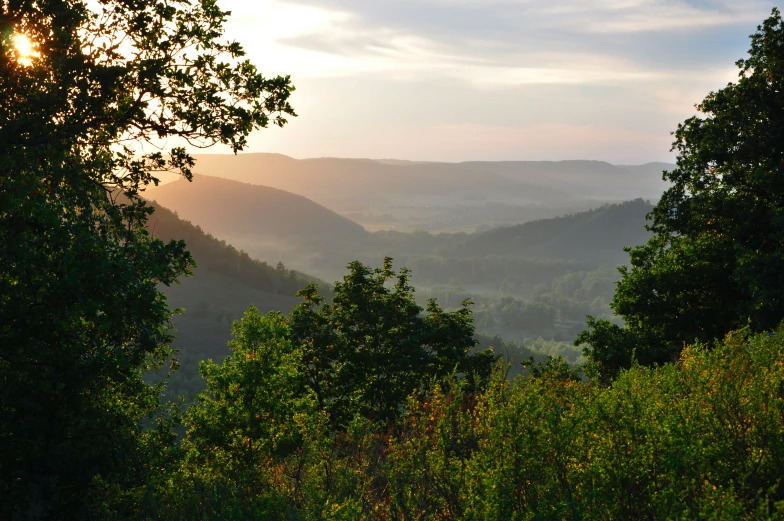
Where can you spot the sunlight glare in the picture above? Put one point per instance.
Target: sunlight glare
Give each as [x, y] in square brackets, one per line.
[25, 49]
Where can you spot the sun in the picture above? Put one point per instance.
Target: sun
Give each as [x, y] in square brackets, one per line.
[25, 49]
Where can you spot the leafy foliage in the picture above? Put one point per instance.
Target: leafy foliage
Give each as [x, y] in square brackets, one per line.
[700, 439]
[330, 374]
[81, 318]
[369, 348]
[713, 264]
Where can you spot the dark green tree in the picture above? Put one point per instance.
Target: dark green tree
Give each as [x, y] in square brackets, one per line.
[81, 319]
[294, 390]
[715, 261]
[369, 348]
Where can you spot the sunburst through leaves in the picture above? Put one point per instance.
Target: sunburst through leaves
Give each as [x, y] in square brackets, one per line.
[25, 49]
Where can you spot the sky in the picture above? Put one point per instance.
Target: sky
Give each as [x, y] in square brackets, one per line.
[457, 80]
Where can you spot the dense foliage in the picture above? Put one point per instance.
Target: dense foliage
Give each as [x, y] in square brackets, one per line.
[700, 439]
[518, 256]
[81, 318]
[356, 359]
[366, 351]
[714, 261]
[595, 235]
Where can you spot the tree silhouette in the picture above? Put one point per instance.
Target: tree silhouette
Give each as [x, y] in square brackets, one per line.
[81, 319]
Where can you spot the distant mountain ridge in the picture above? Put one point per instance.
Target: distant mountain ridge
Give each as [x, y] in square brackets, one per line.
[362, 184]
[356, 184]
[583, 178]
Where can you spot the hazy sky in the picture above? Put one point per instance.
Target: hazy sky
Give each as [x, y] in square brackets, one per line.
[458, 80]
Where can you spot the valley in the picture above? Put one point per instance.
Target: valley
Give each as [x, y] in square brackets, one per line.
[538, 257]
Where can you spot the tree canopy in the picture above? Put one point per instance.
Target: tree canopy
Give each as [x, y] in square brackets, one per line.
[369, 348]
[714, 261]
[702, 439]
[88, 99]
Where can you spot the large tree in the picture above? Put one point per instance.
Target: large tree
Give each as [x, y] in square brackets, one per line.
[715, 260]
[89, 91]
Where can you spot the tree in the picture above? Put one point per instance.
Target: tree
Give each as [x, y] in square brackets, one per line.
[296, 390]
[714, 261]
[87, 87]
[370, 348]
[251, 396]
[245, 417]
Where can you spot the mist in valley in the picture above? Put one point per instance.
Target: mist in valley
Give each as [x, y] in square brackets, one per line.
[533, 245]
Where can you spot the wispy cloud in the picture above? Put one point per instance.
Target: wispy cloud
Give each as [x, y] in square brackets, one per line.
[635, 66]
[632, 16]
[511, 42]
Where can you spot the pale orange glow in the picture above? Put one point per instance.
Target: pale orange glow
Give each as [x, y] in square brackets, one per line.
[25, 49]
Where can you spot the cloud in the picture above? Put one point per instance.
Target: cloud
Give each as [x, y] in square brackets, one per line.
[632, 16]
[528, 78]
[488, 43]
[502, 16]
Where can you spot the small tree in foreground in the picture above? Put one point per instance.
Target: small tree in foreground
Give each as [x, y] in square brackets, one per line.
[362, 354]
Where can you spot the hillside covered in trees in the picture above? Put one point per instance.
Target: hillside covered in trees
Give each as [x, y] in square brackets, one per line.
[267, 222]
[232, 209]
[224, 282]
[539, 279]
[598, 236]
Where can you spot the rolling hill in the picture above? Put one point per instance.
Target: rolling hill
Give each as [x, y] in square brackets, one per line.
[266, 222]
[361, 184]
[225, 282]
[225, 207]
[583, 179]
[597, 235]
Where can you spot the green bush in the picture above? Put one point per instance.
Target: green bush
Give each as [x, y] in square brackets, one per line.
[702, 438]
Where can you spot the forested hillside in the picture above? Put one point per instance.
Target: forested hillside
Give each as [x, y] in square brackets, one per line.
[596, 236]
[215, 257]
[233, 209]
[225, 282]
[511, 273]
